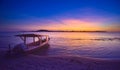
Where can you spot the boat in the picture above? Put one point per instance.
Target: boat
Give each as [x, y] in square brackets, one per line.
[42, 41]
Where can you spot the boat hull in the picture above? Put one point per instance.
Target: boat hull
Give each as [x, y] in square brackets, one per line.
[25, 49]
[36, 49]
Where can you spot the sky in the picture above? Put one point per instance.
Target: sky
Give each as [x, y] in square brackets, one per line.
[77, 15]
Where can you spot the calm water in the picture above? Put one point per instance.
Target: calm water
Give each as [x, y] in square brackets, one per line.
[97, 45]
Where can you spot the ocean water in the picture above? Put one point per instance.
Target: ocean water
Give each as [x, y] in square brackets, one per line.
[104, 45]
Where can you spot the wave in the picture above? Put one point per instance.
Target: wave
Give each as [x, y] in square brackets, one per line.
[101, 39]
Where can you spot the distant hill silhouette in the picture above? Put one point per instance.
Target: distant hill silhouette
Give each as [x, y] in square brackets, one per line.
[64, 31]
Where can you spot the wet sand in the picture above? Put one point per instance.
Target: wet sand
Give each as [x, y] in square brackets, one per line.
[35, 62]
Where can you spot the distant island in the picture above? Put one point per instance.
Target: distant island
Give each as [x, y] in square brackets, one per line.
[63, 31]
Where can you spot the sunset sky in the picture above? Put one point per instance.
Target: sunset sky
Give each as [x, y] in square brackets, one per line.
[78, 15]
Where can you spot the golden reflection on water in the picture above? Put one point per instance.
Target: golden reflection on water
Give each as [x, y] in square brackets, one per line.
[80, 39]
[75, 39]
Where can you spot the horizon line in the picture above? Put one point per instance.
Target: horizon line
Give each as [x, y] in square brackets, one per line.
[46, 30]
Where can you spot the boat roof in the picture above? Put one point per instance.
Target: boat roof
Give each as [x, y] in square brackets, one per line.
[30, 35]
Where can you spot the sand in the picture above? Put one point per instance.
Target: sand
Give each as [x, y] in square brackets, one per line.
[35, 62]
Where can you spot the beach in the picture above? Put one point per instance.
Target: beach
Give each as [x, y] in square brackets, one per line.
[35, 62]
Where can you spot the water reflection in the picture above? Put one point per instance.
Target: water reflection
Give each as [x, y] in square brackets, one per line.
[99, 45]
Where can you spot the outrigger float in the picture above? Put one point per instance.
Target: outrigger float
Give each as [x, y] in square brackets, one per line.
[33, 46]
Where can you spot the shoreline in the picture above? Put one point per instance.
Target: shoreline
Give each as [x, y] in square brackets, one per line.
[35, 62]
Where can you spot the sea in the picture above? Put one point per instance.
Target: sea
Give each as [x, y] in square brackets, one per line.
[103, 45]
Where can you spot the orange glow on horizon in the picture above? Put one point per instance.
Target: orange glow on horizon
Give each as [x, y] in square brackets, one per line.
[70, 24]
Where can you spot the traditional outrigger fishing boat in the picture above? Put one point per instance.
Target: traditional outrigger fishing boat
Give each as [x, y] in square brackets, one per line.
[42, 40]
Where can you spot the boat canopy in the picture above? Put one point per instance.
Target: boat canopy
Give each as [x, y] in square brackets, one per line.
[30, 35]
[24, 36]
